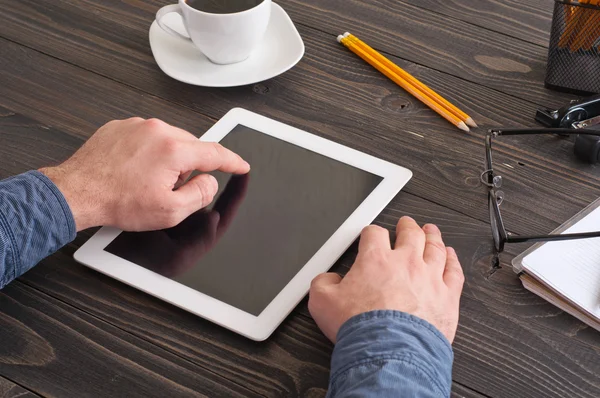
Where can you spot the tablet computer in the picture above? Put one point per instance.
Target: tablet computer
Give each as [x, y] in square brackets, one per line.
[248, 259]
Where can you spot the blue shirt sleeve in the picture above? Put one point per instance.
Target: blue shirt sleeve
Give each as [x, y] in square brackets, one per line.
[35, 221]
[390, 354]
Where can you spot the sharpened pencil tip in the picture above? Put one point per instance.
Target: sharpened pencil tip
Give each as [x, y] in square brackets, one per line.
[463, 126]
[470, 122]
[339, 38]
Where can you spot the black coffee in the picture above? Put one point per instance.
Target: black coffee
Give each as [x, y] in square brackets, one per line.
[223, 6]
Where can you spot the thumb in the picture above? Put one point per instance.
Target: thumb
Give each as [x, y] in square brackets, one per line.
[326, 279]
[197, 193]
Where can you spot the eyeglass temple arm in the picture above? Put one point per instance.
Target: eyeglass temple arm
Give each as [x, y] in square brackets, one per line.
[548, 238]
[498, 132]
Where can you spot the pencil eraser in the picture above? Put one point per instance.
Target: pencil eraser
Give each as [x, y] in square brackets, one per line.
[339, 38]
[346, 34]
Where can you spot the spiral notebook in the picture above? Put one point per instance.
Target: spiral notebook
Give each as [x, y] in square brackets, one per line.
[567, 273]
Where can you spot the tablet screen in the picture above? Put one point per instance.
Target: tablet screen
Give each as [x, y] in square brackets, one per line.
[261, 229]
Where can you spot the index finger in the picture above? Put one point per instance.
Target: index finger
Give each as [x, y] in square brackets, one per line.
[211, 156]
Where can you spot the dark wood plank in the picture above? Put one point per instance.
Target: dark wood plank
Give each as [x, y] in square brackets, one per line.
[525, 343]
[441, 177]
[568, 368]
[460, 391]
[82, 31]
[470, 52]
[428, 38]
[527, 20]
[25, 143]
[446, 163]
[441, 180]
[68, 353]
[300, 345]
[296, 358]
[8, 389]
[64, 118]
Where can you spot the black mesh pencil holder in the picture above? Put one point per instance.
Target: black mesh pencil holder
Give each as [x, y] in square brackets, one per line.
[574, 52]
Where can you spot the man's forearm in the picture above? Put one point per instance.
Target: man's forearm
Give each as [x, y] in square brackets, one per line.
[35, 221]
[390, 354]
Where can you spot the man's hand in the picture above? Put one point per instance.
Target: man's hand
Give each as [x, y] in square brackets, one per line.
[419, 276]
[130, 174]
[174, 251]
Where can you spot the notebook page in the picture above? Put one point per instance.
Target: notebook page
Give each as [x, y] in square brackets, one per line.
[572, 268]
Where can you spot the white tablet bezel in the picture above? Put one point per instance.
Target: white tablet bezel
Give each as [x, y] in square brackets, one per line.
[93, 255]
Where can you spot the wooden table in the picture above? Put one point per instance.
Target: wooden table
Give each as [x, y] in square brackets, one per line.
[69, 66]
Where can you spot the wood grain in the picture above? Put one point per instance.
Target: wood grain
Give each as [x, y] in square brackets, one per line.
[526, 20]
[295, 361]
[297, 353]
[428, 38]
[447, 164]
[8, 389]
[506, 333]
[435, 189]
[69, 353]
[440, 176]
[460, 391]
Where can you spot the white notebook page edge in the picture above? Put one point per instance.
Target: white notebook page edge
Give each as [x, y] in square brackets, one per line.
[572, 267]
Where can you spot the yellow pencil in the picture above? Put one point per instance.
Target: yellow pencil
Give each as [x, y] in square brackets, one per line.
[413, 80]
[389, 73]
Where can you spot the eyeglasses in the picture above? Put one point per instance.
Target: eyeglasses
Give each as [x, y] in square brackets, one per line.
[496, 196]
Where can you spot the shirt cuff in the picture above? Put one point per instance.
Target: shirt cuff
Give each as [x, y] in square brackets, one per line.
[60, 202]
[388, 335]
[37, 220]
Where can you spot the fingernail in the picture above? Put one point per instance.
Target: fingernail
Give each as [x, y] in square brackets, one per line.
[407, 218]
[451, 250]
[431, 228]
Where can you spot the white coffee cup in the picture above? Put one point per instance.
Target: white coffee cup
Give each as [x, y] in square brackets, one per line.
[223, 38]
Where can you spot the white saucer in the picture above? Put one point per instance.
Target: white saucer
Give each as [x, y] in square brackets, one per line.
[281, 49]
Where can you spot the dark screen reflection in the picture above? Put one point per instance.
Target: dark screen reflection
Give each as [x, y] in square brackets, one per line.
[263, 227]
[172, 252]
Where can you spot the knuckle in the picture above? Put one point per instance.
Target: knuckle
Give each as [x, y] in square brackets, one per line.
[458, 275]
[315, 283]
[411, 255]
[438, 245]
[154, 123]
[213, 151]
[170, 146]
[205, 193]
[373, 228]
